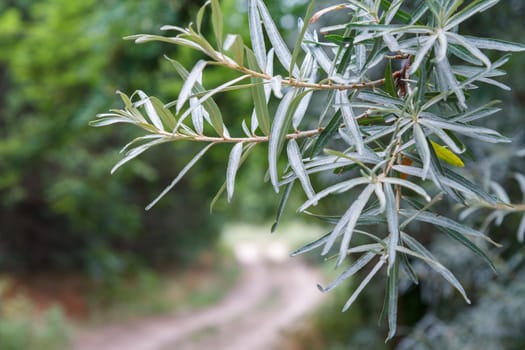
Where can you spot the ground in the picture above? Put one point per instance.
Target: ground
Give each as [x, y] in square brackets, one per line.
[272, 296]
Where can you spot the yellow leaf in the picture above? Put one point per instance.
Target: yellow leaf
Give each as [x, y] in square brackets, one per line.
[447, 155]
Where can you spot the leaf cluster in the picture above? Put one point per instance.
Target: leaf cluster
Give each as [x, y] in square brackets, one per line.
[395, 143]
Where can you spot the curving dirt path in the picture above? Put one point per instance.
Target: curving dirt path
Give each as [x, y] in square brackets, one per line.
[269, 298]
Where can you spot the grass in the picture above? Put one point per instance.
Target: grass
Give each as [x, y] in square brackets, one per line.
[24, 327]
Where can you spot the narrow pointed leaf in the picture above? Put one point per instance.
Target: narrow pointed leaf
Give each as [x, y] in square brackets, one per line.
[363, 284]
[231, 170]
[296, 162]
[183, 172]
[256, 34]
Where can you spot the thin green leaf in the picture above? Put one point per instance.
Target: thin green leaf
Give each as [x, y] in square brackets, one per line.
[393, 224]
[279, 127]
[389, 82]
[470, 245]
[304, 27]
[231, 170]
[350, 271]
[495, 44]
[259, 97]
[426, 256]
[281, 50]
[181, 175]
[295, 160]
[256, 34]
[187, 88]
[363, 284]
[422, 148]
[208, 103]
[351, 220]
[217, 21]
[392, 298]
[282, 206]
[200, 15]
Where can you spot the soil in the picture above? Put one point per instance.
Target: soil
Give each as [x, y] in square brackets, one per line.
[269, 300]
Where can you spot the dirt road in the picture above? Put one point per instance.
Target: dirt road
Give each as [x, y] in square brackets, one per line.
[270, 298]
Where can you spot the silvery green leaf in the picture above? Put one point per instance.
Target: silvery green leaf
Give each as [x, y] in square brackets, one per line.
[309, 68]
[476, 114]
[245, 128]
[391, 42]
[422, 148]
[275, 138]
[349, 119]
[459, 183]
[393, 224]
[140, 140]
[311, 246]
[104, 119]
[197, 116]
[410, 185]
[495, 44]
[463, 54]
[150, 110]
[428, 42]
[426, 256]
[209, 104]
[446, 74]
[217, 123]
[521, 230]
[260, 96]
[183, 172]
[353, 215]
[392, 299]
[276, 85]
[495, 83]
[296, 162]
[500, 192]
[380, 99]
[349, 272]
[340, 187]
[217, 21]
[392, 11]
[349, 214]
[256, 34]
[378, 189]
[302, 28]
[135, 152]
[477, 132]
[187, 88]
[318, 52]
[281, 50]
[521, 182]
[200, 15]
[441, 48]
[443, 221]
[460, 40]
[231, 170]
[445, 138]
[474, 7]
[300, 112]
[363, 284]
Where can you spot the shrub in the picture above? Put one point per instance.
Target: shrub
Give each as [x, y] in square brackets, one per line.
[378, 105]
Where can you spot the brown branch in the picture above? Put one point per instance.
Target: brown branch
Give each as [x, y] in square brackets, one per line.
[302, 84]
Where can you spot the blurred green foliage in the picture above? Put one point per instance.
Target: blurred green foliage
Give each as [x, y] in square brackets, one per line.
[60, 64]
[21, 327]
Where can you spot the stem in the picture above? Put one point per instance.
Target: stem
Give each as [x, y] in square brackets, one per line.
[252, 139]
[302, 84]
